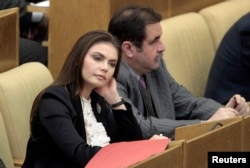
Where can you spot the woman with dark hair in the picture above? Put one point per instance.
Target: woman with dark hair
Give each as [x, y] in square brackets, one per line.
[81, 111]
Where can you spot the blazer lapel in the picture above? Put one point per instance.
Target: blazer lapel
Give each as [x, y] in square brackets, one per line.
[79, 124]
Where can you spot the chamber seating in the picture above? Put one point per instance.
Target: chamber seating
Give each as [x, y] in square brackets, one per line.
[18, 89]
[221, 16]
[5, 153]
[189, 50]
[191, 40]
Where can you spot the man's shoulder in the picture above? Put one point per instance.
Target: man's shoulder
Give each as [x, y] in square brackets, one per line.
[124, 71]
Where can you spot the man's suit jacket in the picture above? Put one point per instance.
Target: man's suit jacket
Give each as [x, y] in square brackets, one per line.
[175, 105]
[230, 71]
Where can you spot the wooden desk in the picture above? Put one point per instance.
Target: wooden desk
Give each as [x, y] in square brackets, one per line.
[9, 39]
[33, 8]
[227, 138]
[192, 131]
[246, 133]
[172, 157]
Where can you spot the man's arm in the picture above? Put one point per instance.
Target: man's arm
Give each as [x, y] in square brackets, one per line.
[152, 125]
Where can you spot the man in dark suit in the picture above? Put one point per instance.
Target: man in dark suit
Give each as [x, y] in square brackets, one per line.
[33, 30]
[163, 104]
[230, 71]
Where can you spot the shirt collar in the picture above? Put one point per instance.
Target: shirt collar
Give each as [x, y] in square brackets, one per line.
[131, 70]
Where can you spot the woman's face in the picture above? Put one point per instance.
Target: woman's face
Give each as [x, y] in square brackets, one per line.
[99, 64]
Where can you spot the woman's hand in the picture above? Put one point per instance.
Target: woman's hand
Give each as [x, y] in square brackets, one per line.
[110, 93]
[159, 137]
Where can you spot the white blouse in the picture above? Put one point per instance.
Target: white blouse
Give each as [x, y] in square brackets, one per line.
[95, 132]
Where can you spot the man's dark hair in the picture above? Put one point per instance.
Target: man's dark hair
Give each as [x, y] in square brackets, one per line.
[128, 23]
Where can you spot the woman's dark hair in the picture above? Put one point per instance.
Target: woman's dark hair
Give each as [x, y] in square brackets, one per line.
[71, 70]
[128, 23]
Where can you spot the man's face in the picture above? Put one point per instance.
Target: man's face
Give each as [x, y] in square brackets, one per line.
[148, 57]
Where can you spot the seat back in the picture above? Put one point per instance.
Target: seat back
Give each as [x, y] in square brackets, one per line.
[9, 35]
[220, 17]
[5, 153]
[189, 50]
[18, 89]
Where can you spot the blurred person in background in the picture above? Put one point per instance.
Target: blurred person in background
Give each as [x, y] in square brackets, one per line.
[33, 30]
[230, 70]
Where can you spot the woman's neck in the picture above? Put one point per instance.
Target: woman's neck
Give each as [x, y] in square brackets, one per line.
[86, 93]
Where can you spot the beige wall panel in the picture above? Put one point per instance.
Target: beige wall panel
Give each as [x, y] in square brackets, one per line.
[160, 5]
[68, 21]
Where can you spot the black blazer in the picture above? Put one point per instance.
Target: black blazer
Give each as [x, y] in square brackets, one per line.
[59, 138]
